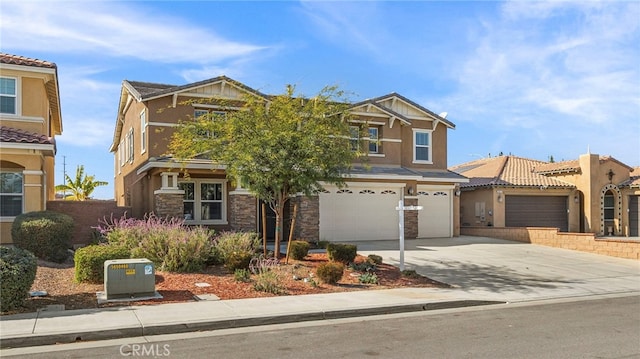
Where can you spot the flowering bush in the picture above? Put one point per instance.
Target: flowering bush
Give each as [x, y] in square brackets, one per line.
[168, 243]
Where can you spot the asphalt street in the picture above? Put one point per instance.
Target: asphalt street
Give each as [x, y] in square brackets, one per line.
[597, 327]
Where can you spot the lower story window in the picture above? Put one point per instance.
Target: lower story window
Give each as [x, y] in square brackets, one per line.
[10, 194]
[204, 201]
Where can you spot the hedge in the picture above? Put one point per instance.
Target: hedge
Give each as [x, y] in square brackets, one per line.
[89, 261]
[17, 274]
[46, 234]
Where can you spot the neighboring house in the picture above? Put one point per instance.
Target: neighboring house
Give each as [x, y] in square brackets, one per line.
[593, 194]
[31, 118]
[407, 158]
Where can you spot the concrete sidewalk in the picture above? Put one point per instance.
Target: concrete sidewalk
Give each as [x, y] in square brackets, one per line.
[481, 270]
[51, 327]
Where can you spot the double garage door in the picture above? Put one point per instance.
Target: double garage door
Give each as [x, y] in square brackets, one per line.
[536, 211]
[364, 211]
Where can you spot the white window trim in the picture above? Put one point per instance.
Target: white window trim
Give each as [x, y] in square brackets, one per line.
[375, 141]
[430, 146]
[121, 151]
[356, 139]
[18, 103]
[11, 218]
[143, 131]
[130, 146]
[197, 207]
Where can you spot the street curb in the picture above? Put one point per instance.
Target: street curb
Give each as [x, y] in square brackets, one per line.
[72, 337]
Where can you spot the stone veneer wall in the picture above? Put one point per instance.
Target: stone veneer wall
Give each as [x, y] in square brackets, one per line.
[308, 218]
[410, 219]
[169, 205]
[586, 242]
[243, 212]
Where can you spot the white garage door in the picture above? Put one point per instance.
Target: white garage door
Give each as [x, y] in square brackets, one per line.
[359, 212]
[435, 220]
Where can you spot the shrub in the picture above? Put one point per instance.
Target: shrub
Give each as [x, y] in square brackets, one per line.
[89, 261]
[235, 249]
[242, 275]
[298, 249]
[17, 273]
[374, 258]
[365, 266]
[268, 281]
[178, 249]
[368, 278]
[330, 272]
[46, 234]
[168, 243]
[343, 253]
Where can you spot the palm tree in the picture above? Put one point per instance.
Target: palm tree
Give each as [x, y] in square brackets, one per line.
[81, 187]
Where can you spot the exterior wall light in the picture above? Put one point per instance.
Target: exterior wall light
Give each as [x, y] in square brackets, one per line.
[499, 192]
[410, 190]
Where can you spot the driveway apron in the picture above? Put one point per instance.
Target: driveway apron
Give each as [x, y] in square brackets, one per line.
[498, 269]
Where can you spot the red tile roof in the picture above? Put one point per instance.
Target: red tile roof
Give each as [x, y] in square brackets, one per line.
[24, 61]
[13, 135]
[506, 171]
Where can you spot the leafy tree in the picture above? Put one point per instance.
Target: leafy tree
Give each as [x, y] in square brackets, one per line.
[277, 148]
[81, 187]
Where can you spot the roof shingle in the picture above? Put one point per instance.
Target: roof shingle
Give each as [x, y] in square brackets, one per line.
[25, 61]
[13, 135]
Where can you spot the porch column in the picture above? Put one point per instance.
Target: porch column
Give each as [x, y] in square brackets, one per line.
[243, 209]
[410, 218]
[308, 218]
[168, 199]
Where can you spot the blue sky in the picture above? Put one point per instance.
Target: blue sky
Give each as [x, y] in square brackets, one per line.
[532, 79]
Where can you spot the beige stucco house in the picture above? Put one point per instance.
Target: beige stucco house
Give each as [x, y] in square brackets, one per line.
[31, 118]
[407, 159]
[593, 194]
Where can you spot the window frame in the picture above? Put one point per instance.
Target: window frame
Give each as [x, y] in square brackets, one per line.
[198, 201]
[130, 146]
[13, 194]
[354, 141]
[143, 131]
[428, 146]
[374, 140]
[14, 96]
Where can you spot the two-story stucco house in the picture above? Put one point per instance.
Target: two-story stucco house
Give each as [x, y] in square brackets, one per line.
[31, 118]
[592, 194]
[407, 158]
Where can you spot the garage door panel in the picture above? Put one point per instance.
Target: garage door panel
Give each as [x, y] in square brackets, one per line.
[359, 213]
[435, 219]
[634, 214]
[536, 211]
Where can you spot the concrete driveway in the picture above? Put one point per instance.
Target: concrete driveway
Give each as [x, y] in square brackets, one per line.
[495, 269]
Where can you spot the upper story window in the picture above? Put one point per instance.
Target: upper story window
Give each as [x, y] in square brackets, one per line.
[354, 137]
[199, 113]
[422, 146]
[143, 131]
[8, 95]
[10, 193]
[130, 146]
[373, 140]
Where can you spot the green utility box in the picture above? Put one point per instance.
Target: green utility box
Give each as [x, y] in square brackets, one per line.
[129, 278]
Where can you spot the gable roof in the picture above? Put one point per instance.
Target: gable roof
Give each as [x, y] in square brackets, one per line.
[145, 91]
[394, 96]
[633, 181]
[506, 171]
[52, 88]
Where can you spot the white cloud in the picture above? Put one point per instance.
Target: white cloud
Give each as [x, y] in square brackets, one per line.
[86, 132]
[358, 25]
[113, 29]
[555, 60]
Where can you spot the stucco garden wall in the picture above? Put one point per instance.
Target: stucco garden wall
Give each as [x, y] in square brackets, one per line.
[86, 215]
[586, 242]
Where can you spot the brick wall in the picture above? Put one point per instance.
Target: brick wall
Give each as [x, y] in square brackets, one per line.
[586, 242]
[86, 215]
